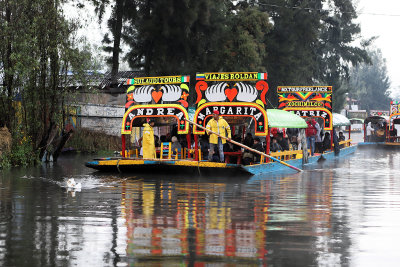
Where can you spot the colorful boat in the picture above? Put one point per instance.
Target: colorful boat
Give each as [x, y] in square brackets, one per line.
[241, 98]
[386, 128]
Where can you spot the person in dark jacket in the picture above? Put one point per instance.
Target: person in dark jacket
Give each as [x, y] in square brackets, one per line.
[257, 146]
[326, 143]
[237, 138]
[275, 146]
[248, 140]
[292, 132]
[283, 142]
[335, 142]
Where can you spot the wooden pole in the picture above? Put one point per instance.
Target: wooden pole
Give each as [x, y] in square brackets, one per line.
[349, 131]
[123, 145]
[196, 147]
[244, 146]
[268, 144]
[189, 144]
[365, 139]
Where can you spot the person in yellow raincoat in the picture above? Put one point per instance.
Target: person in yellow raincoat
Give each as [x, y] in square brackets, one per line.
[218, 125]
[149, 149]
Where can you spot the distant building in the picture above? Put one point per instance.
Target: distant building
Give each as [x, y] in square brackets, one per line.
[352, 109]
[100, 105]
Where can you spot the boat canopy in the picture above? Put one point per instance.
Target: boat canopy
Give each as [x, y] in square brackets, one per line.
[376, 119]
[284, 119]
[164, 99]
[240, 97]
[394, 112]
[340, 120]
[308, 101]
[356, 120]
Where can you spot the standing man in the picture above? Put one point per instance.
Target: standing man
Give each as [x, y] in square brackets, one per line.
[218, 125]
[149, 149]
[370, 132]
[311, 132]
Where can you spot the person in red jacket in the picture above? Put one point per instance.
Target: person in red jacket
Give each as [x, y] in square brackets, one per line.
[311, 132]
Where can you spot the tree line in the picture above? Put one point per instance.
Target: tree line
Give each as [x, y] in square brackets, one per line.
[38, 47]
[296, 42]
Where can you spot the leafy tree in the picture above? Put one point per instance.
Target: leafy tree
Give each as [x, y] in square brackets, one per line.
[370, 83]
[123, 11]
[291, 58]
[244, 49]
[312, 42]
[176, 36]
[37, 46]
[336, 49]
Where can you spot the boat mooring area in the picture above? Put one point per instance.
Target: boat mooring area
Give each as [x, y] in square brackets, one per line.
[342, 212]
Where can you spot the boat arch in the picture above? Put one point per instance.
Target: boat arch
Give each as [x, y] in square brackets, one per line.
[137, 115]
[232, 110]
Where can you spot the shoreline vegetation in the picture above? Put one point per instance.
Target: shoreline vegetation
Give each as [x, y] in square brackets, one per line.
[87, 141]
[20, 153]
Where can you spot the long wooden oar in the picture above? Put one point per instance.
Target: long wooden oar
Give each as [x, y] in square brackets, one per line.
[245, 147]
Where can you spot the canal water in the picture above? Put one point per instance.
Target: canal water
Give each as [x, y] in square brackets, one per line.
[340, 213]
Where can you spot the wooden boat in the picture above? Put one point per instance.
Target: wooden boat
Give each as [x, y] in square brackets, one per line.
[385, 134]
[241, 98]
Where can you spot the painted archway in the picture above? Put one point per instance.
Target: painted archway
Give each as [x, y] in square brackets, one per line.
[156, 111]
[235, 109]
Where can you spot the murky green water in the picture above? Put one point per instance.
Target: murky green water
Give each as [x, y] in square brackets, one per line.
[344, 213]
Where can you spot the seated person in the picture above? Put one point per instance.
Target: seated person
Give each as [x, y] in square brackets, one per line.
[204, 145]
[237, 138]
[248, 140]
[257, 146]
[341, 138]
[326, 143]
[393, 133]
[163, 139]
[228, 147]
[292, 132]
[157, 143]
[275, 146]
[294, 142]
[175, 145]
[283, 142]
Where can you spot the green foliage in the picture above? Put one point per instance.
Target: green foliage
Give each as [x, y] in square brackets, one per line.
[39, 45]
[22, 152]
[370, 84]
[244, 49]
[337, 51]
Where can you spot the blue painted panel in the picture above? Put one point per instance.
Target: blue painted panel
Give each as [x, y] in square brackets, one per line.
[278, 167]
[93, 162]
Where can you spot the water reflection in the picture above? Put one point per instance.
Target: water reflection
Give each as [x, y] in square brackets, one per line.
[331, 216]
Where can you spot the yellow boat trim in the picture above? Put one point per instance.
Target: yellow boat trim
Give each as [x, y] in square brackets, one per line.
[120, 162]
[200, 164]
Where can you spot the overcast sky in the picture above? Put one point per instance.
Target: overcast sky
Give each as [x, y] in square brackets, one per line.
[382, 18]
[377, 18]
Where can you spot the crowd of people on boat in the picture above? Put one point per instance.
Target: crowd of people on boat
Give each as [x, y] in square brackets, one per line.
[378, 130]
[214, 148]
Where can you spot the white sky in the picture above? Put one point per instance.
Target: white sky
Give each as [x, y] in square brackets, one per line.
[377, 18]
[381, 18]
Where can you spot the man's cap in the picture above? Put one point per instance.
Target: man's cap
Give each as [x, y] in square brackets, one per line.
[216, 112]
